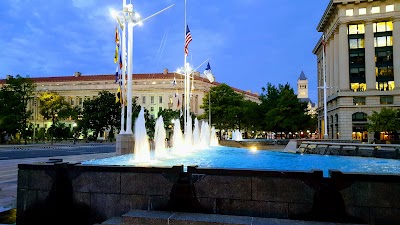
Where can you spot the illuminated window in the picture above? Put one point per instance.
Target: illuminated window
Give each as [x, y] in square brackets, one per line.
[389, 8]
[384, 71]
[362, 11]
[355, 43]
[376, 9]
[383, 26]
[385, 85]
[349, 12]
[356, 29]
[383, 41]
[357, 87]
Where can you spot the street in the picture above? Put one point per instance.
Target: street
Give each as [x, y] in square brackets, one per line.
[11, 156]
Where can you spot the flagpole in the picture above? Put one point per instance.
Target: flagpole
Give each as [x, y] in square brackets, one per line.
[123, 71]
[186, 102]
[325, 87]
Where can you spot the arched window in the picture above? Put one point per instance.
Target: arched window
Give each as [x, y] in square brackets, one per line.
[359, 116]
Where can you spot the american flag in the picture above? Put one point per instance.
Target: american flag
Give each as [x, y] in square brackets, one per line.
[324, 44]
[188, 39]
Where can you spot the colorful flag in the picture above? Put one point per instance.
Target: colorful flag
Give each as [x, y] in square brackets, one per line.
[120, 61]
[118, 97]
[324, 43]
[178, 104]
[208, 73]
[188, 39]
[116, 45]
[116, 75]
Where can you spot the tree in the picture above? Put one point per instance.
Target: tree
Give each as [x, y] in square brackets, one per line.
[387, 120]
[54, 107]
[283, 110]
[14, 98]
[99, 114]
[226, 107]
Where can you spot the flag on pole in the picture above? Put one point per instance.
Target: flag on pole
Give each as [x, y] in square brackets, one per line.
[188, 39]
[324, 43]
[178, 104]
[116, 75]
[120, 61]
[116, 45]
[118, 97]
[209, 74]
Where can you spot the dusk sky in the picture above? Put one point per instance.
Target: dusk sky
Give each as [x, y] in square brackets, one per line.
[249, 42]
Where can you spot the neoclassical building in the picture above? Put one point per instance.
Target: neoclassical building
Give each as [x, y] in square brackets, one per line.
[362, 55]
[154, 91]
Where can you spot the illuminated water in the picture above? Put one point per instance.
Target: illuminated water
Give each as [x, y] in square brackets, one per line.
[237, 158]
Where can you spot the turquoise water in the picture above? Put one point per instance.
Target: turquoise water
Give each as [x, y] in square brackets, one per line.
[238, 158]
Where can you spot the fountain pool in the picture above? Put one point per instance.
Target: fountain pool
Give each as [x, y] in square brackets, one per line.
[237, 158]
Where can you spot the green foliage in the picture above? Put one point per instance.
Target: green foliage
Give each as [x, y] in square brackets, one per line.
[168, 115]
[14, 98]
[226, 107]
[387, 120]
[281, 110]
[54, 107]
[99, 114]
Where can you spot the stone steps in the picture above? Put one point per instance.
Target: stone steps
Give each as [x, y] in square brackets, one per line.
[146, 217]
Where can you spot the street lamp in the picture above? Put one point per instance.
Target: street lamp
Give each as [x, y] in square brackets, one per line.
[128, 17]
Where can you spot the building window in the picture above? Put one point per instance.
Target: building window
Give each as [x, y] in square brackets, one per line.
[383, 56]
[356, 87]
[159, 109]
[356, 29]
[383, 41]
[359, 100]
[143, 99]
[356, 43]
[80, 101]
[376, 9]
[383, 26]
[160, 99]
[385, 85]
[357, 74]
[152, 109]
[357, 58]
[386, 100]
[362, 11]
[389, 8]
[385, 71]
[349, 12]
[359, 116]
[152, 99]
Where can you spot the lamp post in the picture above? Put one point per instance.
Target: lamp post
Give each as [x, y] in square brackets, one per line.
[128, 18]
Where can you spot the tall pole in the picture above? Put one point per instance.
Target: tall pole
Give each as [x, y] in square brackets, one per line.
[186, 78]
[123, 55]
[325, 87]
[129, 85]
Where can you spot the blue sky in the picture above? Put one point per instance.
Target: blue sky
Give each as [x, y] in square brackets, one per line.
[249, 42]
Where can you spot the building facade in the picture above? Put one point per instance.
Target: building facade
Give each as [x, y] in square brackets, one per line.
[155, 92]
[302, 94]
[362, 65]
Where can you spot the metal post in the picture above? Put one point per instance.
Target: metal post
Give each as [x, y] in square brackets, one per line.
[209, 106]
[123, 55]
[129, 85]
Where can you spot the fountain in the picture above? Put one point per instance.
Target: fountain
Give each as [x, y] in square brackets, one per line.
[160, 150]
[142, 146]
[237, 135]
[215, 179]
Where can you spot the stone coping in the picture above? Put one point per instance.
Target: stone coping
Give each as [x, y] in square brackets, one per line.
[368, 177]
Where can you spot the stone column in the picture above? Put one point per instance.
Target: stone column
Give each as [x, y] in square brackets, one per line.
[344, 58]
[396, 51]
[331, 65]
[336, 62]
[369, 56]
